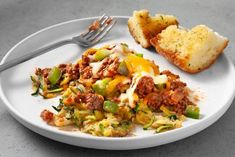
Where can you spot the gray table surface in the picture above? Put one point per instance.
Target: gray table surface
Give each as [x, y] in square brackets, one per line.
[20, 18]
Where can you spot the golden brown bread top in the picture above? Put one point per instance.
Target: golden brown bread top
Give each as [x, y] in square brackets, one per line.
[143, 27]
[191, 50]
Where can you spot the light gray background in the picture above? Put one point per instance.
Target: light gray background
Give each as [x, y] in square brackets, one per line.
[20, 18]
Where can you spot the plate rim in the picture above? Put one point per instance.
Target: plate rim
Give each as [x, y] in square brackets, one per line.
[19, 117]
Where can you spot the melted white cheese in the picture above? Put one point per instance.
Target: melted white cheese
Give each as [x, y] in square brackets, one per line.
[117, 52]
[129, 95]
[96, 67]
[160, 79]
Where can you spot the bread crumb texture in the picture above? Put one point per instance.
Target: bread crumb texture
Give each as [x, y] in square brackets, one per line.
[143, 27]
[191, 50]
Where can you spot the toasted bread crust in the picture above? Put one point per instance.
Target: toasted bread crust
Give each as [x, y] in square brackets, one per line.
[143, 27]
[132, 32]
[181, 63]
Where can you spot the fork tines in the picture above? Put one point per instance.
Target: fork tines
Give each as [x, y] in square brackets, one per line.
[98, 29]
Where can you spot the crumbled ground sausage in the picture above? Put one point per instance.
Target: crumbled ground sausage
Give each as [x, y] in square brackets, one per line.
[75, 72]
[154, 100]
[175, 84]
[170, 74]
[47, 116]
[45, 72]
[145, 86]
[94, 101]
[86, 57]
[109, 67]
[86, 73]
[94, 26]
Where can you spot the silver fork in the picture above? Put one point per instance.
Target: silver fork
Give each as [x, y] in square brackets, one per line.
[86, 39]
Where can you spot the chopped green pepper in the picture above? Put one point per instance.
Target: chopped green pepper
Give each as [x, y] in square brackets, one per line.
[192, 111]
[101, 54]
[100, 86]
[110, 106]
[122, 69]
[54, 75]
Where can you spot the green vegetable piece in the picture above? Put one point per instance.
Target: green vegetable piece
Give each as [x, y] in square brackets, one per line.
[35, 90]
[55, 90]
[58, 108]
[164, 128]
[136, 107]
[110, 106]
[122, 69]
[146, 126]
[173, 117]
[42, 83]
[125, 125]
[139, 55]
[192, 112]
[54, 75]
[81, 88]
[101, 54]
[101, 126]
[33, 79]
[124, 45]
[100, 86]
[161, 86]
[36, 86]
[74, 90]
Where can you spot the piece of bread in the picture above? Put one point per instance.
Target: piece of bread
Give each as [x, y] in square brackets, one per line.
[191, 50]
[143, 27]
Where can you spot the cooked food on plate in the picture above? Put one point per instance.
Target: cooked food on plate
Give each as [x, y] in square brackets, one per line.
[143, 27]
[112, 89]
[191, 50]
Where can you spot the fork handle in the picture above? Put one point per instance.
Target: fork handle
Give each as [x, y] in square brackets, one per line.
[33, 54]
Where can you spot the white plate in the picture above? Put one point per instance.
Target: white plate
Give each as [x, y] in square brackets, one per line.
[216, 85]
